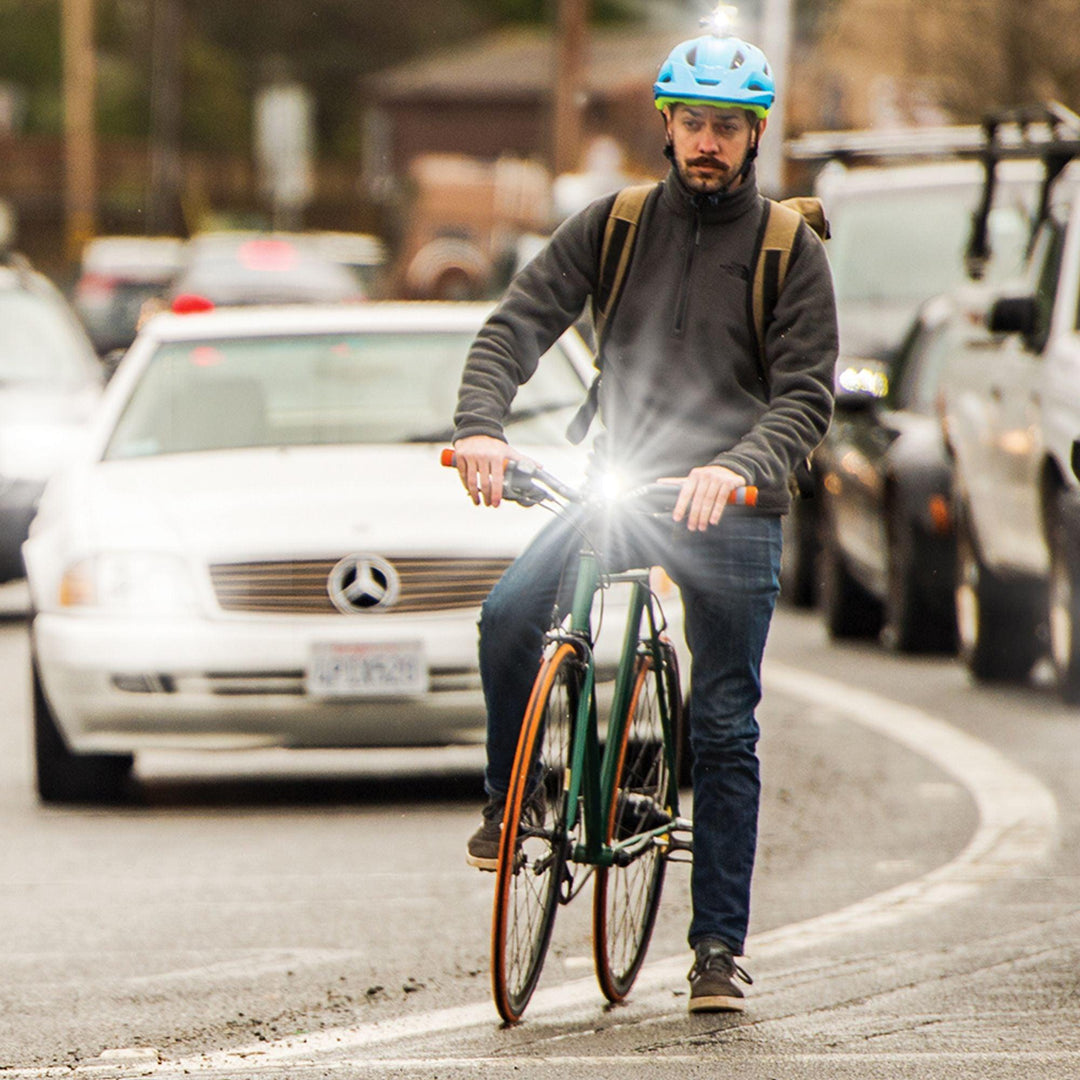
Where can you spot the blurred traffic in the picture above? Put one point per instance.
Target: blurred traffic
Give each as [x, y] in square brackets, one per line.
[948, 511]
[250, 256]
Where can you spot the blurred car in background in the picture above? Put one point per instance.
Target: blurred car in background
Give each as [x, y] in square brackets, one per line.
[1011, 416]
[50, 383]
[229, 269]
[259, 548]
[118, 275]
[887, 536]
[362, 253]
[899, 237]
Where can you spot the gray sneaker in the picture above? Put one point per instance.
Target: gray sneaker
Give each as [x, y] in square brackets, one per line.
[483, 847]
[712, 979]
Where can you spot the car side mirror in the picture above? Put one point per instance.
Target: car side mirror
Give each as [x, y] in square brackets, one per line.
[1014, 315]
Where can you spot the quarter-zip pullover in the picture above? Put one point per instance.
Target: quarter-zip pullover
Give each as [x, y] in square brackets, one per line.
[683, 383]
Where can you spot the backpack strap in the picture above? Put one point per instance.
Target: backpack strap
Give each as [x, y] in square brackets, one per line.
[616, 250]
[776, 236]
[620, 232]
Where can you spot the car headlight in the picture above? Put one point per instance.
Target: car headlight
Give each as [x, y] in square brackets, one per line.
[138, 582]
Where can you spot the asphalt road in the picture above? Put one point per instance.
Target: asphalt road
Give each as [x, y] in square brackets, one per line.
[917, 905]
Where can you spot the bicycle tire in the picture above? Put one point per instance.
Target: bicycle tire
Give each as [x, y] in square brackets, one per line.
[534, 845]
[627, 898]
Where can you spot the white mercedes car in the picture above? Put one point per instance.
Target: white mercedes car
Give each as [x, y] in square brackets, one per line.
[260, 547]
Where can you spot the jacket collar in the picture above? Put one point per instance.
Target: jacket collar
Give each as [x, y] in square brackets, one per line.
[724, 206]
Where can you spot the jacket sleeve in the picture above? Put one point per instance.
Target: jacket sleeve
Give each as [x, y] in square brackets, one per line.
[542, 301]
[801, 345]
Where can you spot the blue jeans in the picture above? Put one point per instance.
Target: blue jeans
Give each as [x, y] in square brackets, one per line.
[729, 579]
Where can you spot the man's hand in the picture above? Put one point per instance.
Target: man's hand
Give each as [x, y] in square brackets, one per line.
[480, 461]
[703, 495]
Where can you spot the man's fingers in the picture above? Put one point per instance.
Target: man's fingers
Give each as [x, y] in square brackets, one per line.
[703, 497]
[701, 509]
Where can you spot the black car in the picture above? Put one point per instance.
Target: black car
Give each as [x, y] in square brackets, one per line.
[888, 549]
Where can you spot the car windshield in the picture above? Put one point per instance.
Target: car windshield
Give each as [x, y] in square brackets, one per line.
[908, 246]
[39, 344]
[323, 389]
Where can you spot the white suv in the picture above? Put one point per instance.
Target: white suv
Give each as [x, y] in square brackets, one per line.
[1011, 411]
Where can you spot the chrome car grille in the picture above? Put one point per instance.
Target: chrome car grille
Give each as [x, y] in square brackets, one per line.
[299, 587]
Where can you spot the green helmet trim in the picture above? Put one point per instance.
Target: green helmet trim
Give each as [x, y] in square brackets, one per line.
[758, 110]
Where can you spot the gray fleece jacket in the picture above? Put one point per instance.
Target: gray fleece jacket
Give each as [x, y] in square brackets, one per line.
[682, 381]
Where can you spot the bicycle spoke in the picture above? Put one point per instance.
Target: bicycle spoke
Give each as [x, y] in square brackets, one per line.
[532, 860]
[627, 896]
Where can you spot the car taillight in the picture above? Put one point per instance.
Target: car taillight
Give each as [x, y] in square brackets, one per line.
[191, 304]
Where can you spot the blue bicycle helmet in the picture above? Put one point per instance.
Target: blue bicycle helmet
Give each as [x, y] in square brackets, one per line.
[716, 71]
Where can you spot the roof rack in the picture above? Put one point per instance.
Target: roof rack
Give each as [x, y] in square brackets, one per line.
[1047, 132]
[1050, 133]
[886, 144]
[1016, 132]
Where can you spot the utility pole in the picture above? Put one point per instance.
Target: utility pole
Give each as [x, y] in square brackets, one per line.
[775, 39]
[80, 178]
[165, 109]
[568, 90]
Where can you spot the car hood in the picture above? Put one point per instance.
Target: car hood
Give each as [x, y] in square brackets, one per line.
[283, 503]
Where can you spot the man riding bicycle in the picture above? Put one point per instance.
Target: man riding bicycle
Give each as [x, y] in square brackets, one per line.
[686, 394]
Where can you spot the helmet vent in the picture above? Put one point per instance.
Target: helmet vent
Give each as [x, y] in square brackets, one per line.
[738, 60]
[691, 57]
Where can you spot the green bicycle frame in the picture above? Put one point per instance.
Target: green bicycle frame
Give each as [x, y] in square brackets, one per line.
[590, 787]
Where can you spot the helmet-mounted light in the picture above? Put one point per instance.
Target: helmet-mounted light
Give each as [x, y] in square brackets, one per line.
[721, 21]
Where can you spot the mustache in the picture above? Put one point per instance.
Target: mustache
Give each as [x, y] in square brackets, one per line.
[708, 162]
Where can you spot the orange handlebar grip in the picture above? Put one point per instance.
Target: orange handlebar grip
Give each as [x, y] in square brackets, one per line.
[448, 458]
[744, 496]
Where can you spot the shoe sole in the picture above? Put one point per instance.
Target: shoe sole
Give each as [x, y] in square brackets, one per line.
[482, 863]
[719, 1003]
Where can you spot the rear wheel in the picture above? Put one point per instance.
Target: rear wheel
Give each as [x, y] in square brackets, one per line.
[999, 621]
[919, 609]
[66, 777]
[850, 611]
[627, 897]
[799, 584]
[534, 846]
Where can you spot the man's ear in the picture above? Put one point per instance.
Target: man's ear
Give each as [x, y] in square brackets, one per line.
[763, 123]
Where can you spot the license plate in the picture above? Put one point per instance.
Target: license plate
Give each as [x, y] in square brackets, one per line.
[361, 670]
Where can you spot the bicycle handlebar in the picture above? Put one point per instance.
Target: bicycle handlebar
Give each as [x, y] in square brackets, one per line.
[525, 483]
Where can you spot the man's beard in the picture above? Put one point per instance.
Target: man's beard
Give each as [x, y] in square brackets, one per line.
[720, 180]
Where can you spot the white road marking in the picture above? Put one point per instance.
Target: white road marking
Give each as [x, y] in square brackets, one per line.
[1017, 826]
